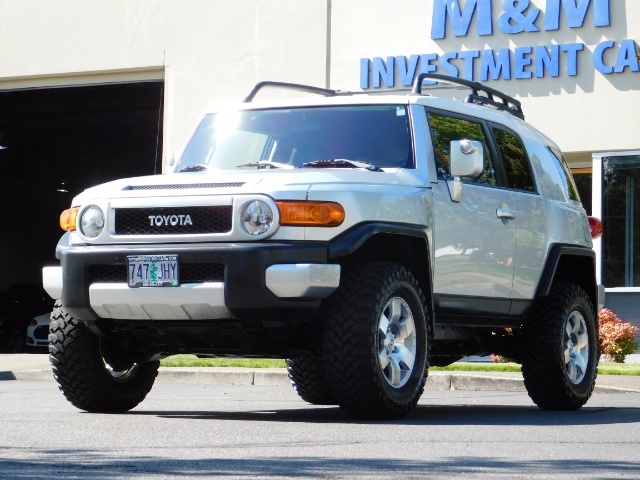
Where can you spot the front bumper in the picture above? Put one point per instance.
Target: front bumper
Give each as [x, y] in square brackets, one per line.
[256, 276]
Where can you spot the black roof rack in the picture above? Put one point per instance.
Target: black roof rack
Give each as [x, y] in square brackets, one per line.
[506, 103]
[326, 92]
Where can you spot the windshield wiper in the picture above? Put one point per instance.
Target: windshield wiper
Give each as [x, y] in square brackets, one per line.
[194, 168]
[342, 163]
[265, 164]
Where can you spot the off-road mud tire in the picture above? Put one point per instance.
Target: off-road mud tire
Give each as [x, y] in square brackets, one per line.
[351, 343]
[82, 375]
[545, 347]
[309, 380]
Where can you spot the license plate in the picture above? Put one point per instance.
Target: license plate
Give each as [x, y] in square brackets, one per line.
[153, 271]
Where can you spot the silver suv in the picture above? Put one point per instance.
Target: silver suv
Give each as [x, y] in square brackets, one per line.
[361, 237]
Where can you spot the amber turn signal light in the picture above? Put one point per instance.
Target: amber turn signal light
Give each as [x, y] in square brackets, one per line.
[68, 219]
[310, 214]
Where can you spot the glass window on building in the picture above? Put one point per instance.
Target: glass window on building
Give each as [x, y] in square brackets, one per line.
[584, 180]
[620, 210]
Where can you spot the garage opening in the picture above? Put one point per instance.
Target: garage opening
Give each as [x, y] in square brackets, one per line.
[54, 143]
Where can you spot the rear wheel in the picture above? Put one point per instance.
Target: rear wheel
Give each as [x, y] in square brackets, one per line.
[560, 349]
[86, 376]
[376, 341]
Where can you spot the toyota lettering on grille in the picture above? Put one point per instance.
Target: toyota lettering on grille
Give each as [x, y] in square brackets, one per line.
[166, 220]
[200, 219]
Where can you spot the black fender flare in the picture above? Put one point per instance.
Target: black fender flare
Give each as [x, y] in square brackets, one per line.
[352, 239]
[553, 268]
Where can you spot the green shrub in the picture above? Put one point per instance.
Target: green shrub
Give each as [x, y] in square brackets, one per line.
[616, 337]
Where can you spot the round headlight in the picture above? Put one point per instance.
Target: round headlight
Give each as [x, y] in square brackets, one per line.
[92, 221]
[256, 217]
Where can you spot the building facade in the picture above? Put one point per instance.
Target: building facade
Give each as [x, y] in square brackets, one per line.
[572, 63]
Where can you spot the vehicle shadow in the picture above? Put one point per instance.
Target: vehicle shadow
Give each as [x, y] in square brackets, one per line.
[498, 415]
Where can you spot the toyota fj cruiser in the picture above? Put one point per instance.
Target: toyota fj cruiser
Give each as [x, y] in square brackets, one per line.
[361, 237]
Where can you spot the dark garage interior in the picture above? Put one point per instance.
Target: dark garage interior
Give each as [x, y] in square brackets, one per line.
[54, 143]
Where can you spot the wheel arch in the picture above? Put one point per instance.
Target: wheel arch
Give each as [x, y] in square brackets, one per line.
[406, 245]
[570, 264]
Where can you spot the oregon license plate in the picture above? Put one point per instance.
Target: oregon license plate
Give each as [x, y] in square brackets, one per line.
[153, 271]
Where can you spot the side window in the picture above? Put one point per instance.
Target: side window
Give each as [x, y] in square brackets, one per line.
[570, 189]
[444, 129]
[515, 160]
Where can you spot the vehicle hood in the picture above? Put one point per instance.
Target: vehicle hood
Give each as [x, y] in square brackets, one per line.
[238, 183]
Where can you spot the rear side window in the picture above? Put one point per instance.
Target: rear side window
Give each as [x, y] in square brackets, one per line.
[570, 189]
[444, 129]
[515, 160]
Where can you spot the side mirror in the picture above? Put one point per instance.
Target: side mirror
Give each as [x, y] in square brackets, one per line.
[467, 159]
[467, 162]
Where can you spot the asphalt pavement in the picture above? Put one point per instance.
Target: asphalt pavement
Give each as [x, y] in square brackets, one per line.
[36, 367]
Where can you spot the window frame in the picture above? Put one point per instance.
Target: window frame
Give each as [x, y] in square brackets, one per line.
[500, 175]
[493, 126]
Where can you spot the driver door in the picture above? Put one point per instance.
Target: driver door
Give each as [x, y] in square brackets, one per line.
[475, 237]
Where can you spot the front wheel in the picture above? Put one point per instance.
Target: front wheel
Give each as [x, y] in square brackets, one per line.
[560, 349]
[376, 341]
[84, 374]
[308, 377]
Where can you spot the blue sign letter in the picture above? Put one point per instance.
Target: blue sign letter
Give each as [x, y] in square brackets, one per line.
[427, 67]
[521, 61]
[445, 63]
[495, 67]
[572, 50]
[547, 60]
[460, 18]
[365, 64]
[627, 57]
[515, 20]
[469, 60]
[407, 71]
[598, 57]
[383, 71]
[576, 13]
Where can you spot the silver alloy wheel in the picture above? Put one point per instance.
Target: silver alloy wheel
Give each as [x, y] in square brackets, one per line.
[397, 342]
[121, 375]
[576, 347]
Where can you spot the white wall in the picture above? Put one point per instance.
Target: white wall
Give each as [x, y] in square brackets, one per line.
[212, 51]
[208, 51]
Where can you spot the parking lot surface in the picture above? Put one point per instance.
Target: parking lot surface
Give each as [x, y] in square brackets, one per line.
[251, 431]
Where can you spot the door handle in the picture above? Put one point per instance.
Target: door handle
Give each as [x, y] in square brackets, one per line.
[506, 213]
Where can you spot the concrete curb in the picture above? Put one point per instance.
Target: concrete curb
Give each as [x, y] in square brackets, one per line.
[472, 381]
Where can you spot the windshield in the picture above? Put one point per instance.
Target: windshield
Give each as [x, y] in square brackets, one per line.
[372, 135]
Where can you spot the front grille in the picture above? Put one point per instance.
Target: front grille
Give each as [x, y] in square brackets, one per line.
[189, 273]
[173, 220]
